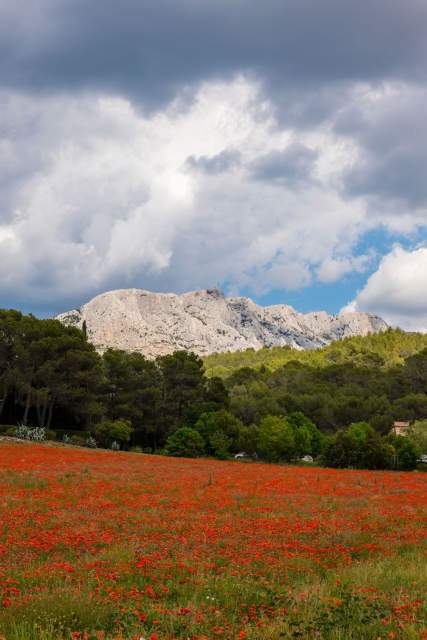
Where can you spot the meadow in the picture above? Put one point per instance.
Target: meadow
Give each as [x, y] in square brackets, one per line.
[102, 545]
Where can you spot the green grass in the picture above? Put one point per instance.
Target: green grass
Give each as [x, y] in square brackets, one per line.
[341, 605]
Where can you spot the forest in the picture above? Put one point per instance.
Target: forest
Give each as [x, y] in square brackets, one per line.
[335, 404]
[381, 349]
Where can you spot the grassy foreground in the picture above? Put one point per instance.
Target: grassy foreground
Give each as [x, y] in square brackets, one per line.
[102, 545]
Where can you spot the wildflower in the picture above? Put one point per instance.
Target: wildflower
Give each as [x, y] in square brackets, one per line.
[150, 591]
[184, 611]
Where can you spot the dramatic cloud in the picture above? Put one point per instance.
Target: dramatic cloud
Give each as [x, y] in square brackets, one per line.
[149, 51]
[106, 197]
[175, 145]
[388, 127]
[293, 166]
[398, 289]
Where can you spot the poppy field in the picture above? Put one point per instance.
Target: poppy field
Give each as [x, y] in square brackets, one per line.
[102, 545]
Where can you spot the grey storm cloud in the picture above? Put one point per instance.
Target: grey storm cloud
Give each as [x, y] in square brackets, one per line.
[293, 166]
[216, 164]
[152, 50]
[143, 137]
[392, 136]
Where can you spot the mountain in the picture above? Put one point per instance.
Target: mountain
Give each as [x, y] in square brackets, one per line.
[207, 322]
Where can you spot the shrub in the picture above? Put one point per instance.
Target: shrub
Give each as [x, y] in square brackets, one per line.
[406, 452]
[308, 438]
[358, 446]
[37, 434]
[185, 442]
[220, 431]
[248, 439]
[275, 439]
[109, 431]
[4, 428]
[418, 434]
[90, 442]
[220, 443]
[70, 432]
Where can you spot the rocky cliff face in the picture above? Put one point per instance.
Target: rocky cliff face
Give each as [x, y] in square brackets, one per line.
[207, 322]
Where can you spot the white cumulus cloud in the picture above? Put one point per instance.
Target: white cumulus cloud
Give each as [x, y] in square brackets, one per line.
[101, 195]
[397, 291]
[96, 193]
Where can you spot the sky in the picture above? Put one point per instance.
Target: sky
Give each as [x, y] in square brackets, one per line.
[276, 149]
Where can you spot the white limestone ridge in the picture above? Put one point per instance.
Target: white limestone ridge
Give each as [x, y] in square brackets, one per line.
[207, 322]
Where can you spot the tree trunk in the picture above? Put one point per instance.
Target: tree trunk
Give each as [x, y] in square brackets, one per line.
[49, 416]
[39, 416]
[43, 418]
[3, 401]
[27, 407]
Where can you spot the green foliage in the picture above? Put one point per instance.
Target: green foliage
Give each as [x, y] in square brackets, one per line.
[219, 444]
[220, 431]
[248, 439]
[405, 452]
[333, 395]
[386, 349]
[131, 390]
[358, 446]
[50, 374]
[46, 367]
[280, 404]
[410, 406]
[416, 370]
[183, 388]
[418, 435]
[280, 438]
[216, 394]
[109, 431]
[90, 442]
[275, 439]
[308, 438]
[185, 442]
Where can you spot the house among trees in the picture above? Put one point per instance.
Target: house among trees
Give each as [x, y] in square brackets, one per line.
[400, 428]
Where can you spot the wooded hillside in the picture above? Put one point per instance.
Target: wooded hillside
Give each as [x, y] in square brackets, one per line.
[385, 349]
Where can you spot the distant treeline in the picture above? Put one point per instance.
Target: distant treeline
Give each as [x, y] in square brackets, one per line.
[386, 349]
[50, 376]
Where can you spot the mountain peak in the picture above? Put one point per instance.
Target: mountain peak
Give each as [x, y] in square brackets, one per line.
[207, 322]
